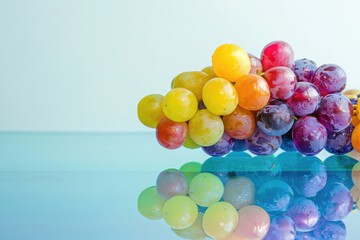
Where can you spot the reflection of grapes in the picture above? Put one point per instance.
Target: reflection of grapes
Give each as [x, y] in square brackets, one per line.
[171, 182]
[304, 213]
[239, 192]
[150, 203]
[195, 231]
[330, 230]
[281, 227]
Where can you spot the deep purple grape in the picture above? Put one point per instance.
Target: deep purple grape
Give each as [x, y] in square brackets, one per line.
[335, 112]
[281, 227]
[305, 100]
[222, 147]
[239, 145]
[309, 135]
[287, 143]
[329, 78]
[305, 236]
[305, 214]
[260, 143]
[330, 230]
[340, 142]
[171, 182]
[339, 169]
[304, 69]
[310, 176]
[262, 169]
[335, 201]
[276, 118]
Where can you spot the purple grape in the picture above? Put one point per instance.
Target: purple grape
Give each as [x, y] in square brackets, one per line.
[260, 143]
[329, 78]
[305, 100]
[239, 145]
[305, 236]
[304, 69]
[309, 135]
[340, 142]
[276, 118]
[287, 143]
[281, 227]
[335, 201]
[335, 112]
[330, 230]
[222, 147]
[171, 182]
[339, 169]
[304, 213]
[275, 196]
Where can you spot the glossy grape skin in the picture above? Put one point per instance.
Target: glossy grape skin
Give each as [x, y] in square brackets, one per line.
[240, 124]
[231, 62]
[260, 143]
[305, 100]
[193, 81]
[171, 182]
[149, 110]
[339, 169]
[256, 66]
[281, 81]
[206, 128]
[281, 227]
[239, 145]
[305, 214]
[179, 105]
[195, 231]
[335, 201]
[287, 143]
[277, 53]
[329, 78]
[171, 134]
[335, 112]
[309, 135]
[150, 203]
[276, 118]
[355, 138]
[239, 191]
[219, 96]
[209, 71]
[206, 189]
[304, 69]
[253, 92]
[355, 175]
[330, 230]
[340, 142]
[222, 147]
[190, 170]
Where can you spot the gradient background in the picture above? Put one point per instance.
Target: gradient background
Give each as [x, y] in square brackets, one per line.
[70, 66]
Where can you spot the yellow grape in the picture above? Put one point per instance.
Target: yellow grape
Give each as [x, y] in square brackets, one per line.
[209, 71]
[149, 110]
[355, 138]
[150, 203]
[195, 231]
[193, 81]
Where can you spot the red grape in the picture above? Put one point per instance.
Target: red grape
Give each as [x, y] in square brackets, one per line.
[277, 53]
[171, 134]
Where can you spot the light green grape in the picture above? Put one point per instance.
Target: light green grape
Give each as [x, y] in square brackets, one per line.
[193, 81]
[206, 189]
[150, 203]
[195, 231]
[149, 110]
[189, 143]
[190, 170]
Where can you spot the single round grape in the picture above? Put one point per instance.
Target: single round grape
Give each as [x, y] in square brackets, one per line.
[260, 143]
[193, 81]
[253, 223]
[219, 166]
[231, 62]
[355, 175]
[190, 170]
[355, 138]
[335, 201]
[206, 189]
[206, 128]
[256, 66]
[310, 176]
[274, 196]
[239, 124]
[305, 100]
[340, 142]
[179, 104]
[276, 118]
[189, 143]
[240, 192]
[253, 92]
[171, 182]
[195, 231]
[339, 169]
[287, 143]
[330, 230]
[220, 96]
[335, 112]
[149, 110]
[222, 147]
[171, 134]
[304, 69]
[305, 236]
[150, 203]
[329, 78]
[305, 214]
[239, 145]
[262, 169]
[220, 220]
[180, 212]
[277, 53]
[209, 71]
[281, 81]
[281, 227]
[309, 135]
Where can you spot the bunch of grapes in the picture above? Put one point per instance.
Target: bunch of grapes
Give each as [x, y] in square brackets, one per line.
[260, 104]
[263, 197]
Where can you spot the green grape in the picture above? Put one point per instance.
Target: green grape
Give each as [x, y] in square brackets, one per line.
[190, 170]
[150, 203]
[179, 105]
[220, 220]
[180, 212]
[193, 81]
[149, 110]
[209, 71]
[206, 128]
[189, 143]
[206, 189]
[195, 231]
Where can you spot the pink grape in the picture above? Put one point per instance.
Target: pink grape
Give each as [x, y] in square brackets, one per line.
[277, 53]
[282, 81]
